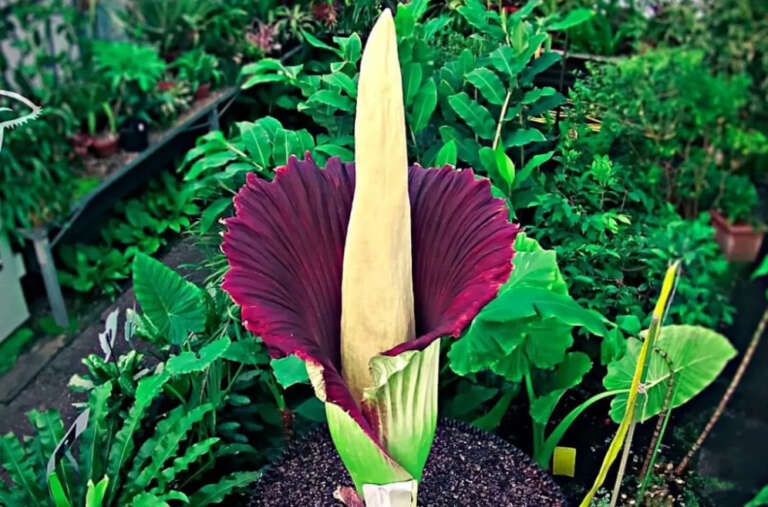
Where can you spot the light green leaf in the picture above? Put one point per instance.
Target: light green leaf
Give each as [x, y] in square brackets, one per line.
[342, 81]
[94, 497]
[424, 105]
[405, 398]
[286, 143]
[760, 499]
[212, 213]
[447, 154]
[535, 94]
[332, 99]
[190, 362]
[364, 459]
[521, 137]
[504, 165]
[314, 41]
[412, 76]
[257, 144]
[476, 116]
[489, 84]
[573, 18]
[173, 305]
[289, 370]
[697, 354]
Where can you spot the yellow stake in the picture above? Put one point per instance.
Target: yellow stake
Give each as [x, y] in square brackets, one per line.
[629, 414]
[377, 284]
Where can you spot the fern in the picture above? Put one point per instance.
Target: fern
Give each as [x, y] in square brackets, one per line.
[182, 463]
[167, 445]
[93, 438]
[20, 468]
[146, 392]
[217, 492]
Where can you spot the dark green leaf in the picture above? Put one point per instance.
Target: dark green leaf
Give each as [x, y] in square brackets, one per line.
[173, 305]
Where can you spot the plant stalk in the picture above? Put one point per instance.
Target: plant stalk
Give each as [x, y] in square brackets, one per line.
[728, 393]
[623, 464]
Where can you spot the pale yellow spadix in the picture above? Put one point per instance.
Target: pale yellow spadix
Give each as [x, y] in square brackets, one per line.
[377, 285]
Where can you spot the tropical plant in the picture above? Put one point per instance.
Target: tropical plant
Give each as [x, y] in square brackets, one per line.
[671, 365]
[524, 335]
[392, 368]
[137, 454]
[132, 72]
[197, 67]
[613, 234]
[471, 105]
[673, 122]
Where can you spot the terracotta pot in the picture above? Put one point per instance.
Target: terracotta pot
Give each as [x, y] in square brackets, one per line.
[81, 142]
[165, 85]
[105, 146]
[740, 242]
[203, 91]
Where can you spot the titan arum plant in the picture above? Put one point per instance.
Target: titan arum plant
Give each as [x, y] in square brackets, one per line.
[359, 269]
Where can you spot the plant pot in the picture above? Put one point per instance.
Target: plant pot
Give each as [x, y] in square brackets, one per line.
[203, 91]
[134, 135]
[739, 242]
[105, 146]
[310, 470]
[81, 143]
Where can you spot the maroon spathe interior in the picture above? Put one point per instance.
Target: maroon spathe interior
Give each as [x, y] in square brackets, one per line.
[285, 248]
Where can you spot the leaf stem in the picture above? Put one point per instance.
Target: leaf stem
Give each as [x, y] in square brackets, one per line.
[501, 119]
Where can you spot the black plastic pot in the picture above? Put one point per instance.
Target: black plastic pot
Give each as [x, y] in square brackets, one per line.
[467, 467]
[134, 135]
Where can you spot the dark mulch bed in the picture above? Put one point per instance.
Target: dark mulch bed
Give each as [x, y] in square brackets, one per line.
[467, 467]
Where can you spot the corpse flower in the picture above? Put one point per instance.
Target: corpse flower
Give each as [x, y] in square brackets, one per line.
[359, 269]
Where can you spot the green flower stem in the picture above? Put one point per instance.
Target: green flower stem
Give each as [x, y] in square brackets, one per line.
[548, 448]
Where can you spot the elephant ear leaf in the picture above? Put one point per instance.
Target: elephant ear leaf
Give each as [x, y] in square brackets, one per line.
[173, 305]
[696, 356]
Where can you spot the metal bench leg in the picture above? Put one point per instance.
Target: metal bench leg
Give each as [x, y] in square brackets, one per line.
[213, 120]
[50, 278]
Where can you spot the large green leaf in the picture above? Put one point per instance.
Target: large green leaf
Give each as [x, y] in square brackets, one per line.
[697, 356]
[529, 322]
[173, 305]
[405, 400]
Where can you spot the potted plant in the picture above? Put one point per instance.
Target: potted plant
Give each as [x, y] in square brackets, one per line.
[200, 70]
[132, 72]
[737, 231]
[377, 278]
[105, 144]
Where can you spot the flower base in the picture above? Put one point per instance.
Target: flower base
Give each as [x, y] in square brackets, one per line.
[467, 467]
[739, 242]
